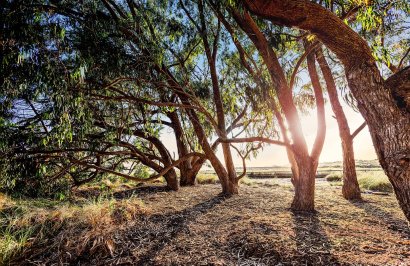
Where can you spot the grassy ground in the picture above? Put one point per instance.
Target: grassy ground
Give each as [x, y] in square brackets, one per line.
[373, 181]
[196, 226]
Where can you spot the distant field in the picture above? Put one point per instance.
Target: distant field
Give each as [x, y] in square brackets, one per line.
[361, 166]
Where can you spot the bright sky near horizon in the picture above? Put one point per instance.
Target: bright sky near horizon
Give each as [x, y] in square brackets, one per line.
[332, 150]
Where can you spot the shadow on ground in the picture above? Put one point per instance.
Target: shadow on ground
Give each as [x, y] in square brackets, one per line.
[393, 224]
[312, 243]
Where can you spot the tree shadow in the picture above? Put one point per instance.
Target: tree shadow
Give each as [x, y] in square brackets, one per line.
[394, 224]
[171, 225]
[140, 191]
[312, 243]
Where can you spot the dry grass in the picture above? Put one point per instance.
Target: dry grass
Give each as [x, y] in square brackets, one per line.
[196, 226]
[334, 177]
[376, 181]
[61, 230]
[205, 178]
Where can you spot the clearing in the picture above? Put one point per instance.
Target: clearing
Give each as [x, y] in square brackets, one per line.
[196, 226]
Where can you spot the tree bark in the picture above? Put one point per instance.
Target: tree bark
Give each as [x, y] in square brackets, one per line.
[350, 189]
[387, 119]
[172, 180]
[304, 198]
[187, 175]
[228, 187]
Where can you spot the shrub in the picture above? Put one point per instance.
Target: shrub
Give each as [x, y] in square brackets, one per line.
[333, 177]
[207, 179]
[247, 181]
[376, 181]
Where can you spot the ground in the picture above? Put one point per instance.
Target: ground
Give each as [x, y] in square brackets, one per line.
[196, 226]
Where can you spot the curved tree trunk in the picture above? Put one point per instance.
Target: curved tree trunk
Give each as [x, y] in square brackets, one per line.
[382, 104]
[350, 189]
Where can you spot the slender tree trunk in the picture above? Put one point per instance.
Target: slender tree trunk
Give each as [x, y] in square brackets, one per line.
[227, 187]
[211, 55]
[350, 189]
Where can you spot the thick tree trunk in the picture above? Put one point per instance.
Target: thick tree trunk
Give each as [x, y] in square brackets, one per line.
[351, 189]
[381, 103]
[172, 180]
[188, 178]
[304, 198]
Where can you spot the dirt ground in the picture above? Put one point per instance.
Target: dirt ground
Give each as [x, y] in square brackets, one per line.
[196, 226]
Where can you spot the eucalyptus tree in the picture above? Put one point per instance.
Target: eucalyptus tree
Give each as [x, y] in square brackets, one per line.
[382, 24]
[149, 73]
[37, 67]
[380, 101]
[304, 163]
[62, 126]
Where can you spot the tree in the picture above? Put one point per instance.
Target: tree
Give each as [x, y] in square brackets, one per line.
[304, 163]
[381, 102]
[350, 187]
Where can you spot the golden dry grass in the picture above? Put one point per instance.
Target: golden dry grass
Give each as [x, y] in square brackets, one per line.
[87, 227]
[196, 226]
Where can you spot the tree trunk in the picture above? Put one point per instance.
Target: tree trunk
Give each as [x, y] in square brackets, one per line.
[304, 197]
[211, 55]
[172, 180]
[351, 189]
[188, 178]
[187, 175]
[210, 154]
[232, 187]
[304, 185]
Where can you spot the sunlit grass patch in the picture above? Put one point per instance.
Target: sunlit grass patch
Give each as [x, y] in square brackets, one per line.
[207, 179]
[247, 181]
[376, 181]
[334, 177]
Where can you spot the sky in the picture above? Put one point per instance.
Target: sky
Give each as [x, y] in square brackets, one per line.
[274, 155]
